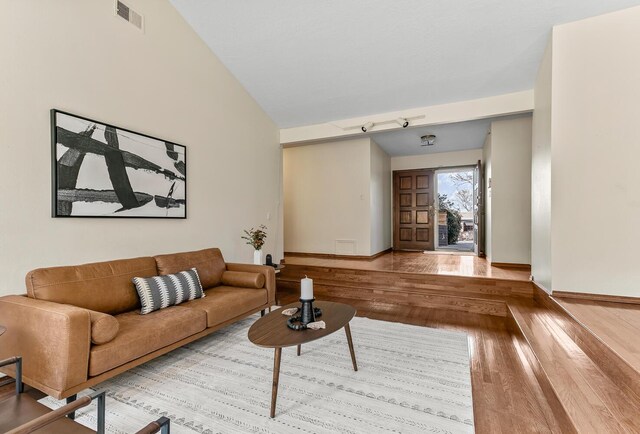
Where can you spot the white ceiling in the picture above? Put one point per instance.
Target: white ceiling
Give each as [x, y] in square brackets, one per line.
[458, 136]
[311, 61]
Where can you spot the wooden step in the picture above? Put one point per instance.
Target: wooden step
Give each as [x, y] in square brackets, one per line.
[606, 332]
[374, 278]
[589, 400]
[552, 410]
[486, 306]
[465, 294]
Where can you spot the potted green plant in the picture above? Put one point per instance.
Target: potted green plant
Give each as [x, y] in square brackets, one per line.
[256, 238]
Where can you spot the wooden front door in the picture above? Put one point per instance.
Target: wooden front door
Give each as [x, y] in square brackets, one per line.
[413, 210]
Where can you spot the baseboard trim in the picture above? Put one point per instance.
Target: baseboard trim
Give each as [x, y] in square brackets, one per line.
[538, 287]
[332, 256]
[511, 265]
[596, 297]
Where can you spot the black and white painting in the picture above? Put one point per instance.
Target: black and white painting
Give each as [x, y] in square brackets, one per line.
[104, 171]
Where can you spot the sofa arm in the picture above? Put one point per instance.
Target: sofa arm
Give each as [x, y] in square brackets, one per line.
[53, 340]
[269, 276]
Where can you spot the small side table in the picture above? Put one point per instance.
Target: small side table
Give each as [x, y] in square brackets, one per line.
[278, 268]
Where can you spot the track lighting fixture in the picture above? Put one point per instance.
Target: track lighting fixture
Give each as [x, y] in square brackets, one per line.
[366, 127]
[381, 124]
[403, 122]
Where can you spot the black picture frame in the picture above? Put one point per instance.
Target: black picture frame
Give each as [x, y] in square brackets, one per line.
[126, 160]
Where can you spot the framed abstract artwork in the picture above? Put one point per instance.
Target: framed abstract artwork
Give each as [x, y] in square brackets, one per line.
[100, 170]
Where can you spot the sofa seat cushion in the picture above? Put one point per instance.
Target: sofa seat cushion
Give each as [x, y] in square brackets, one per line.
[143, 334]
[225, 302]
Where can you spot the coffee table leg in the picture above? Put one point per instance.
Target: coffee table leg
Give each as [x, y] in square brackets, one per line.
[276, 377]
[299, 346]
[347, 330]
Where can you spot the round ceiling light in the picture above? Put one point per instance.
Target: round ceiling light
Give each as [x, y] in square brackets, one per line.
[428, 140]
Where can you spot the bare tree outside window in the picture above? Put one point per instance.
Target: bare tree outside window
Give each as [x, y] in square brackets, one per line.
[464, 199]
[462, 179]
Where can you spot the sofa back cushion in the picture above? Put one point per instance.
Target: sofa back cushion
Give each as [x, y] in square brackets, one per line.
[101, 286]
[209, 263]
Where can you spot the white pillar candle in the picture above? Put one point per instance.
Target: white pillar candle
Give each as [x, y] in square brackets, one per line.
[306, 289]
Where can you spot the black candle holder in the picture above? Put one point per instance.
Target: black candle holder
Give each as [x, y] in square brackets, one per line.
[308, 314]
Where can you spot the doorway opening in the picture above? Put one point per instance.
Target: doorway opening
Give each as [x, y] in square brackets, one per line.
[455, 210]
[439, 210]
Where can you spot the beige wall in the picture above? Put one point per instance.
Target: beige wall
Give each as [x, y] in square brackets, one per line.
[337, 198]
[541, 175]
[440, 159]
[509, 205]
[78, 57]
[596, 154]
[380, 191]
[327, 197]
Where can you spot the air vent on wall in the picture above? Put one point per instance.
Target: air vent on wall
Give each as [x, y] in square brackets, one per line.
[130, 15]
[345, 247]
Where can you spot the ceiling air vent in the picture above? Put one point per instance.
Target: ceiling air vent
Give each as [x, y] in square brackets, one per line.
[130, 15]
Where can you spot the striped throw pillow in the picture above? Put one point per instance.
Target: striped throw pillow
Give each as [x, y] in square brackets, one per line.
[159, 292]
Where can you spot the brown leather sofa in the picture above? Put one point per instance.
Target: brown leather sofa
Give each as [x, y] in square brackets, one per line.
[79, 325]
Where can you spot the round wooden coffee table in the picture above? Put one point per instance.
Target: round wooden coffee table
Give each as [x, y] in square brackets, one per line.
[271, 331]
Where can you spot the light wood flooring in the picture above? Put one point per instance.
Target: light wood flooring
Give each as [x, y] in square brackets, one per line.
[418, 262]
[538, 364]
[506, 395]
[616, 324]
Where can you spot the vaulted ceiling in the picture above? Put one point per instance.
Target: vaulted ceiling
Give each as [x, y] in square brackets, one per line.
[310, 61]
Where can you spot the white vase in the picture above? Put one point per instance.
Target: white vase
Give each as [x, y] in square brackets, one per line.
[257, 257]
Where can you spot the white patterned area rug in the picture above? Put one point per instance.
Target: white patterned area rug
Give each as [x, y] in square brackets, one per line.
[410, 380]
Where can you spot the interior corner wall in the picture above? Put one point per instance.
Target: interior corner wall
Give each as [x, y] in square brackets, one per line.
[596, 154]
[327, 197]
[488, 217]
[541, 174]
[79, 57]
[380, 199]
[509, 204]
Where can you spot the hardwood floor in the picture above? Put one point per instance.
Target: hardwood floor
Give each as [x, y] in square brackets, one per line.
[592, 398]
[616, 324]
[418, 262]
[536, 365]
[475, 294]
[506, 394]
